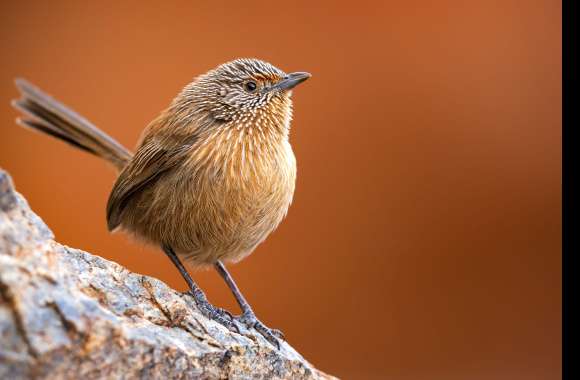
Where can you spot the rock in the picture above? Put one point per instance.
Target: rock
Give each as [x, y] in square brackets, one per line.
[67, 314]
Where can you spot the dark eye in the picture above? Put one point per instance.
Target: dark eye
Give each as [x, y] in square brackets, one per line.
[250, 86]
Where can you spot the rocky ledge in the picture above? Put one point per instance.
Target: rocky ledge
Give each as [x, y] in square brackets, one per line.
[67, 314]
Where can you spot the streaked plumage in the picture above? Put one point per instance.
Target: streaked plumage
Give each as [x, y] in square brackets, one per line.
[213, 174]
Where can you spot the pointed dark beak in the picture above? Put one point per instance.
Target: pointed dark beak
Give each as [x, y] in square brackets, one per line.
[291, 80]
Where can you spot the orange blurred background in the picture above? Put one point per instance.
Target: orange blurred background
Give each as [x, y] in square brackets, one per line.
[424, 241]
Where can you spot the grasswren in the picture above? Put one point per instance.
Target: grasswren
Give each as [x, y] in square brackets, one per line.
[212, 176]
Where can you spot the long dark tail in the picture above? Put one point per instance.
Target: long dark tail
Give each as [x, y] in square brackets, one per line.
[53, 118]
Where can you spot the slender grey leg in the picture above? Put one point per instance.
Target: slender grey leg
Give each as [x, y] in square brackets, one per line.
[219, 315]
[248, 316]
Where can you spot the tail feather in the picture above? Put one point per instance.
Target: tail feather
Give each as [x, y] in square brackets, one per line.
[49, 130]
[46, 123]
[53, 118]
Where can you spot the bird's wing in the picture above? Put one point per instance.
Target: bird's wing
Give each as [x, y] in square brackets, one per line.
[153, 159]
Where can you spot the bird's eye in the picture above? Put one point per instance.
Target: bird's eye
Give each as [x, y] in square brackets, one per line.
[250, 86]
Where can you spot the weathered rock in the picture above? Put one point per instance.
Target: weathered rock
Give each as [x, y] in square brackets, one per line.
[65, 313]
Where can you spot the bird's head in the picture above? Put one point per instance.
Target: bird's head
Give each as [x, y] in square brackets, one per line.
[245, 91]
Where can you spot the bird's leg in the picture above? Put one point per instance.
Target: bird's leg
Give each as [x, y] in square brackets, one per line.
[217, 314]
[248, 316]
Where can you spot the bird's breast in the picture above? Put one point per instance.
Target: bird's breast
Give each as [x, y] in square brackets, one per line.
[241, 185]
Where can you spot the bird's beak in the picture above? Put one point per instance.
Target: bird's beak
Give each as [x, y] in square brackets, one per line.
[291, 80]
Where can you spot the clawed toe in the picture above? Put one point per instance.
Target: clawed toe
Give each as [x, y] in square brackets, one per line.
[224, 313]
[278, 334]
[226, 319]
[271, 335]
[221, 316]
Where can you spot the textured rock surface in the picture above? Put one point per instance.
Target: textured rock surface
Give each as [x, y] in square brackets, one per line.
[65, 313]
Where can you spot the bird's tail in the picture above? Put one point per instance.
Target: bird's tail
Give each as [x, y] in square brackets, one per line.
[47, 115]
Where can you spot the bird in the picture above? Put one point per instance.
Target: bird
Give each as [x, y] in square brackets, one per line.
[211, 177]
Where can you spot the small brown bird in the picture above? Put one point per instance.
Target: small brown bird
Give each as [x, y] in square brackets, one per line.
[212, 176]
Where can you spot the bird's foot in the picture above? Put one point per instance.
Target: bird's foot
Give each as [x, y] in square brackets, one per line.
[221, 316]
[250, 320]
